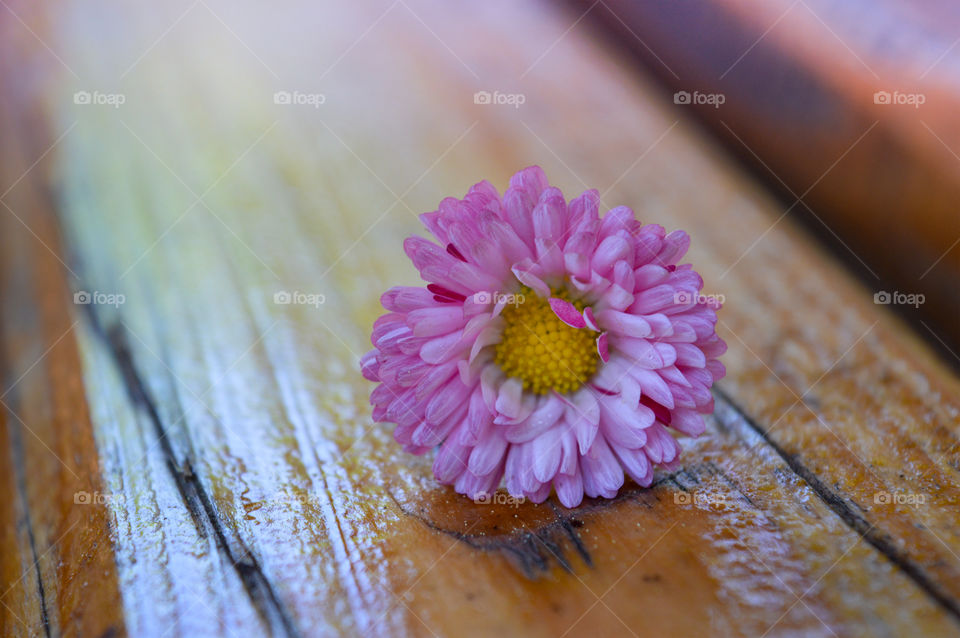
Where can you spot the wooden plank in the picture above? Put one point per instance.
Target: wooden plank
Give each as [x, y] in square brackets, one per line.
[56, 556]
[799, 81]
[250, 490]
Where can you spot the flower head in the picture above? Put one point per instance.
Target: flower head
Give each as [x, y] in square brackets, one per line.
[551, 349]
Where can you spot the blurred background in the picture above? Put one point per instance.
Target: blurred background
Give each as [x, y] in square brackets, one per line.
[845, 111]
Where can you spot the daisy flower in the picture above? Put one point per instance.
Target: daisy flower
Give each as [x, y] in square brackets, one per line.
[551, 349]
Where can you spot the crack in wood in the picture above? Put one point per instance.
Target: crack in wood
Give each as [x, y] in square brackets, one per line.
[191, 489]
[18, 454]
[519, 545]
[532, 550]
[524, 545]
[879, 539]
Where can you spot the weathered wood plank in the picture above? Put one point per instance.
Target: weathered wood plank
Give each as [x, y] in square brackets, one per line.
[252, 492]
[57, 571]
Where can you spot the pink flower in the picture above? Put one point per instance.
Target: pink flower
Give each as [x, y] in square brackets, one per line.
[551, 349]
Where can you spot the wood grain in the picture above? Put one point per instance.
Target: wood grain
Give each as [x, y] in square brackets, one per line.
[57, 565]
[248, 490]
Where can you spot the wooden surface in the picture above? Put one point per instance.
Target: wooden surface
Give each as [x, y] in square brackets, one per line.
[246, 490]
[880, 182]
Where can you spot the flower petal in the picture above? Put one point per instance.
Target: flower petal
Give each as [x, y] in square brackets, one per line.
[603, 348]
[567, 312]
[488, 453]
[547, 451]
[549, 409]
[569, 489]
[602, 473]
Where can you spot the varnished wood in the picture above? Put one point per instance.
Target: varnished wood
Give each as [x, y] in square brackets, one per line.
[250, 491]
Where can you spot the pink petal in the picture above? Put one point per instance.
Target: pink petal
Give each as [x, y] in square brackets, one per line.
[524, 272]
[487, 454]
[616, 219]
[550, 215]
[662, 414]
[653, 385]
[640, 352]
[624, 425]
[675, 246]
[589, 319]
[667, 352]
[490, 380]
[602, 473]
[649, 275]
[602, 347]
[434, 379]
[450, 461]
[688, 421]
[449, 398]
[510, 398]
[569, 489]
[585, 208]
[611, 250]
[716, 369]
[569, 458]
[548, 410]
[689, 354]
[654, 299]
[439, 320]
[369, 365]
[623, 323]
[540, 494]
[474, 486]
[489, 336]
[617, 297]
[444, 295]
[550, 257]
[654, 449]
[547, 450]
[478, 418]
[441, 349]
[567, 312]
[660, 324]
[406, 298]
[636, 464]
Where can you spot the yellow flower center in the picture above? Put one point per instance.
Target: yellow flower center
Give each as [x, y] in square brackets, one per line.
[542, 351]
